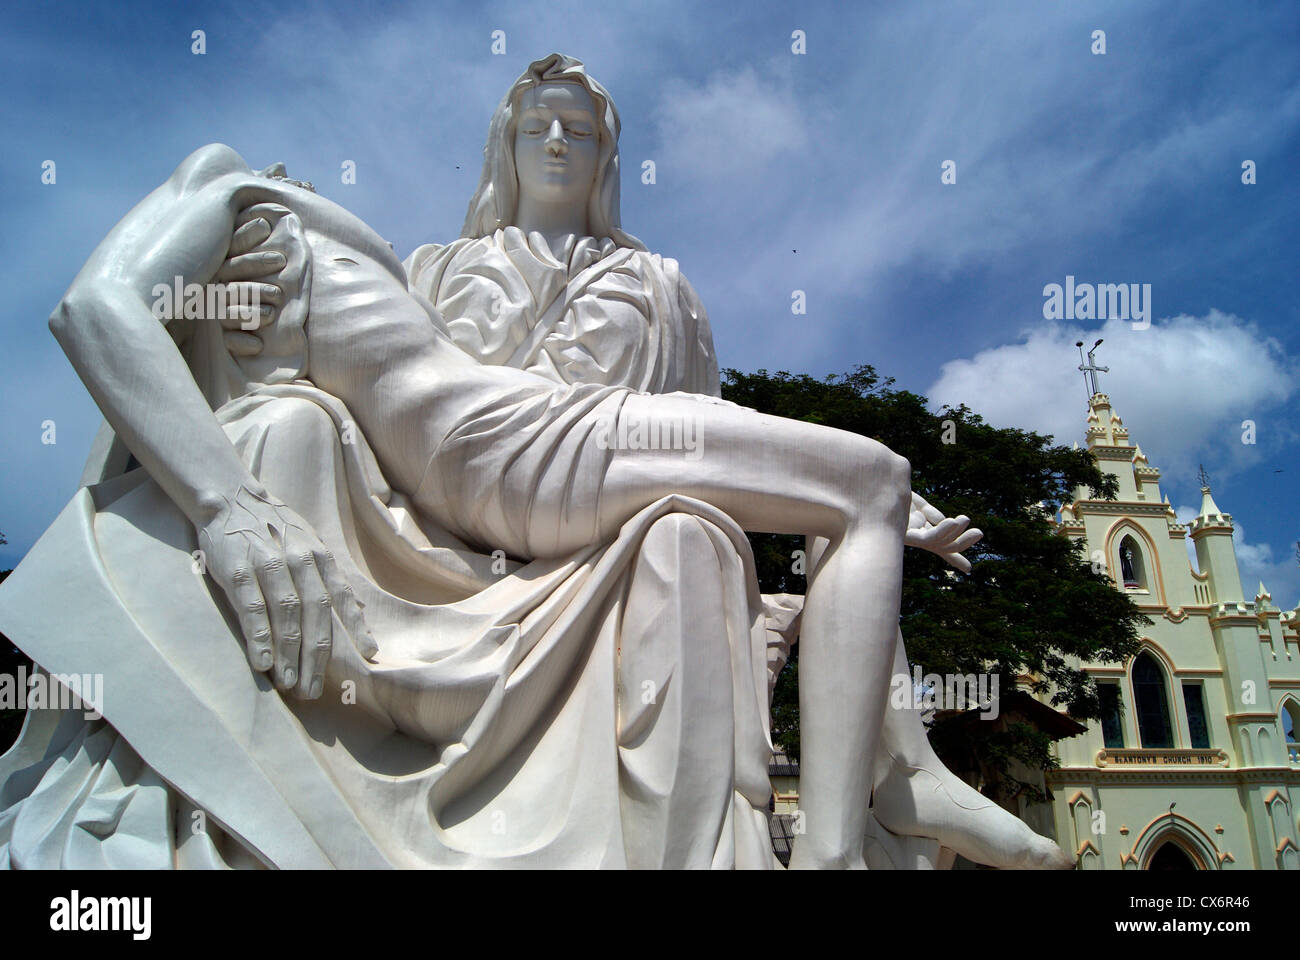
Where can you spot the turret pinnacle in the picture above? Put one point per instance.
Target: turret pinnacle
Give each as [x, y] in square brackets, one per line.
[1105, 428]
[1211, 532]
[1209, 509]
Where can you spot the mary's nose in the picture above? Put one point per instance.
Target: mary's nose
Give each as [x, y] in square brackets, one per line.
[555, 142]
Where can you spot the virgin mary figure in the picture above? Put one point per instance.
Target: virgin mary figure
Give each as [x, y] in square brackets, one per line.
[543, 277]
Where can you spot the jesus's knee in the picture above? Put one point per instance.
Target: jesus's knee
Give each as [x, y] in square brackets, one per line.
[886, 483]
[867, 483]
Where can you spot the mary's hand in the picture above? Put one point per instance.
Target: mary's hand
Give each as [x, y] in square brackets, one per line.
[929, 529]
[268, 264]
[292, 602]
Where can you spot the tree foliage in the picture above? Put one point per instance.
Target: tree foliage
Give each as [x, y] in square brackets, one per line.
[1032, 606]
[11, 720]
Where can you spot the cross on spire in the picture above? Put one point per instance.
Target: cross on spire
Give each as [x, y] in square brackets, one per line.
[1090, 369]
[1203, 476]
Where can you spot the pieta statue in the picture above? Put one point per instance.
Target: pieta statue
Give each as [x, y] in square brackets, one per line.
[373, 580]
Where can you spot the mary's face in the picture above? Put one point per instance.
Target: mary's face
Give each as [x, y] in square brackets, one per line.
[556, 145]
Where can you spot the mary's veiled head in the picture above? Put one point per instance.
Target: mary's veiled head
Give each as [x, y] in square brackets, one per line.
[495, 202]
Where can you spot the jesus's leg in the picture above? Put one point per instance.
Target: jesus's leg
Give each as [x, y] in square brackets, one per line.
[916, 795]
[785, 476]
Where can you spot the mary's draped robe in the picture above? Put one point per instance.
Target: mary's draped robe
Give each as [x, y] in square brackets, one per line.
[591, 312]
[535, 701]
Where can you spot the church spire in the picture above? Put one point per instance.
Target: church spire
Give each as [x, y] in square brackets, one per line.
[1211, 533]
[1210, 513]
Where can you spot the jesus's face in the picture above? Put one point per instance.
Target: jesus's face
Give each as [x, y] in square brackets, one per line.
[556, 144]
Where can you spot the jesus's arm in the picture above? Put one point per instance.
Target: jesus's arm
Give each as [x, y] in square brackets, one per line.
[279, 578]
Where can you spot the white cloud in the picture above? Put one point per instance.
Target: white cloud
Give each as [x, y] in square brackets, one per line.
[730, 126]
[1183, 386]
[1260, 563]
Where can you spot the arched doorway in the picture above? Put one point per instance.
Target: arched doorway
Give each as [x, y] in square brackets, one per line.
[1172, 856]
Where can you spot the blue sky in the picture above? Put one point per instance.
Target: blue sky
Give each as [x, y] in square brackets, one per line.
[775, 172]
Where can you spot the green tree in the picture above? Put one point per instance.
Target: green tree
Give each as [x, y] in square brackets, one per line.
[1032, 600]
[11, 720]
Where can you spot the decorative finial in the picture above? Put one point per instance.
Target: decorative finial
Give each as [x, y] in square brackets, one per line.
[1090, 369]
[1203, 477]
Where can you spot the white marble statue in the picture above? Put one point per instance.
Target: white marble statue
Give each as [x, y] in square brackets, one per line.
[480, 633]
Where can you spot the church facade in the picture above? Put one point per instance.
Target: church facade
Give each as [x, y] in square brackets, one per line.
[1196, 764]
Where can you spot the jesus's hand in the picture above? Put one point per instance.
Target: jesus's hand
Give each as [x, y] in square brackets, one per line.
[929, 529]
[292, 602]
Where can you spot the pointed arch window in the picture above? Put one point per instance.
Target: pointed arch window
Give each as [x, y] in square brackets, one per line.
[1131, 566]
[1152, 702]
[1290, 716]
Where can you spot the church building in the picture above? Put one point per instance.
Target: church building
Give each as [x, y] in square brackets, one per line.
[1196, 763]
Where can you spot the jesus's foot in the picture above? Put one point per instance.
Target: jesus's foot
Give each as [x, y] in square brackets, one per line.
[931, 801]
